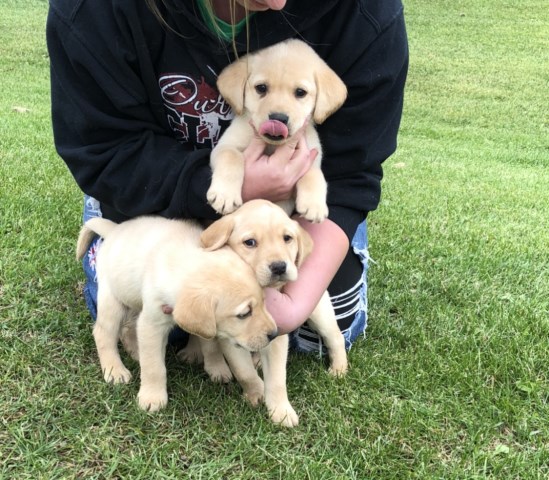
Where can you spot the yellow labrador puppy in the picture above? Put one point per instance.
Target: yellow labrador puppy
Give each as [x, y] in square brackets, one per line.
[274, 245]
[274, 93]
[154, 269]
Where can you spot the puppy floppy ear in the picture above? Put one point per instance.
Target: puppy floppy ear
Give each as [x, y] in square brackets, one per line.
[304, 246]
[194, 312]
[218, 233]
[231, 83]
[331, 93]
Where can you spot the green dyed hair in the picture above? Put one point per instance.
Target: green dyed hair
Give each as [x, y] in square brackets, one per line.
[154, 7]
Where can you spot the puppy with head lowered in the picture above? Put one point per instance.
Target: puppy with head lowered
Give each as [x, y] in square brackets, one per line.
[154, 270]
[275, 93]
[274, 245]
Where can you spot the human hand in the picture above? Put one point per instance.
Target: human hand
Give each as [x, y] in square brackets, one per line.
[273, 177]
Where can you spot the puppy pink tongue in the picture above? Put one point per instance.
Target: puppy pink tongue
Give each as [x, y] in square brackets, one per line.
[273, 128]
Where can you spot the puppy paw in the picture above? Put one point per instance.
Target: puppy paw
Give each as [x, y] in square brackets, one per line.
[223, 201]
[284, 415]
[117, 375]
[314, 212]
[219, 373]
[338, 369]
[152, 401]
[254, 396]
[190, 355]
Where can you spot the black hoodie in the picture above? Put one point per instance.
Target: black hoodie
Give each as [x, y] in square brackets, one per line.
[135, 109]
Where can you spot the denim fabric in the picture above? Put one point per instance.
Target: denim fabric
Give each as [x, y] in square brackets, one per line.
[306, 340]
[360, 247]
[91, 209]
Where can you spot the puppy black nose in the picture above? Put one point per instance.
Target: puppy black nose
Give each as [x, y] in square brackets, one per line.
[278, 268]
[281, 117]
[271, 336]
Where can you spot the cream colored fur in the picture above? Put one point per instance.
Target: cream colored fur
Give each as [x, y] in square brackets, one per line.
[266, 238]
[152, 271]
[287, 70]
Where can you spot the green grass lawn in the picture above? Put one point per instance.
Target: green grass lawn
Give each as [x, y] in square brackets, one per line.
[451, 380]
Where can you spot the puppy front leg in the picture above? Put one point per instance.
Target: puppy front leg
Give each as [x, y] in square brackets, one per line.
[152, 337]
[225, 192]
[273, 360]
[323, 321]
[310, 200]
[110, 313]
[243, 368]
[214, 361]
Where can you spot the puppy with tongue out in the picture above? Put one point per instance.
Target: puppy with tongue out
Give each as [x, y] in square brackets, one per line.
[277, 94]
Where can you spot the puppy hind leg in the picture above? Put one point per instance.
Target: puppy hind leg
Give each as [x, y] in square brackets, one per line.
[323, 321]
[110, 314]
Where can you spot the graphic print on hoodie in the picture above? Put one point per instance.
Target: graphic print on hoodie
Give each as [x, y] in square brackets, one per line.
[197, 113]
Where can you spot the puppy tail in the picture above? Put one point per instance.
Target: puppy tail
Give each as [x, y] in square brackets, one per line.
[94, 226]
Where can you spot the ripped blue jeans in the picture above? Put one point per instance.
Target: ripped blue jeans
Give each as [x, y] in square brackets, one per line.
[350, 306]
[351, 302]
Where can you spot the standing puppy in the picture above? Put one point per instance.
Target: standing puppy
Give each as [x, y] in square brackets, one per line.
[274, 246]
[275, 92]
[154, 269]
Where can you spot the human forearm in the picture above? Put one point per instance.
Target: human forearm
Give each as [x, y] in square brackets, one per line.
[291, 307]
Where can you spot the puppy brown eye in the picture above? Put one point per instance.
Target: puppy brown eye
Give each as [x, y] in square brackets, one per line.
[287, 238]
[300, 93]
[242, 316]
[250, 242]
[261, 89]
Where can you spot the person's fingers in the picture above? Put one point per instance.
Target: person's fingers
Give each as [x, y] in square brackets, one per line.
[307, 163]
[298, 137]
[294, 150]
[300, 163]
[302, 143]
[254, 150]
[313, 153]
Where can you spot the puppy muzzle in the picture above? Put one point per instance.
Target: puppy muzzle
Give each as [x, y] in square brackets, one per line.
[275, 129]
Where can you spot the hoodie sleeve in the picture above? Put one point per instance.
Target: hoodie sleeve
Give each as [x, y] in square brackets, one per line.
[361, 135]
[107, 131]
